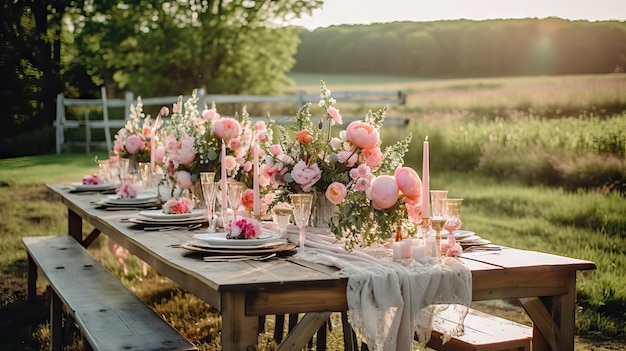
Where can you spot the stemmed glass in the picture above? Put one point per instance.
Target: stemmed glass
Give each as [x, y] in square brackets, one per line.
[452, 215]
[210, 189]
[301, 204]
[437, 198]
[235, 189]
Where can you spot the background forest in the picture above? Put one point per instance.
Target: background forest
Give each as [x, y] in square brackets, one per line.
[163, 48]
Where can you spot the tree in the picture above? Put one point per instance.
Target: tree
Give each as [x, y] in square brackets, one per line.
[156, 47]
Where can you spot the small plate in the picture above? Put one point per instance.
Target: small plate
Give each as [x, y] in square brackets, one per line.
[220, 240]
[200, 246]
[92, 187]
[140, 199]
[474, 241]
[160, 215]
[179, 221]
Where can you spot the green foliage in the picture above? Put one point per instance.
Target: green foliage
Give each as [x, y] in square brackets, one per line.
[156, 47]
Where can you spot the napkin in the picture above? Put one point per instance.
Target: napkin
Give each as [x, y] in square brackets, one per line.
[389, 302]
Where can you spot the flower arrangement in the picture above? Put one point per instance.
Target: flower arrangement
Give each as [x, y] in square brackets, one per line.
[244, 228]
[178, 206]
[134, 139]
[93, 179]
[193, 143]
[127, 191]
[350, 170]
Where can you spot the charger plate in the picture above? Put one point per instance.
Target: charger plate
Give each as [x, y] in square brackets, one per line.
[199, 246]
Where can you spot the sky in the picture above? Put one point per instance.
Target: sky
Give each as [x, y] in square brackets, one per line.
[336, 12]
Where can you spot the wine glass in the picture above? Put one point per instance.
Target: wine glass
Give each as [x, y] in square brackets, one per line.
[301, 204]
[235, 189]
[452, 215]
[438, 224]
[210, 189]
[436, 197]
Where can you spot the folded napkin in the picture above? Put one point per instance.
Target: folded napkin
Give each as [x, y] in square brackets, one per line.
[390, 302]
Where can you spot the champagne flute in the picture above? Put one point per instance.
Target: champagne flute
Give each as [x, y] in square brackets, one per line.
[301, 211]
[210, 190]
[235, 189]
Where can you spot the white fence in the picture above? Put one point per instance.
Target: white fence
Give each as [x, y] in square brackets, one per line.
[380, 97]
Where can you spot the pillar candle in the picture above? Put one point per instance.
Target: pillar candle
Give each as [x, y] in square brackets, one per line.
[223, 183]
[425, 181]
[255, 181]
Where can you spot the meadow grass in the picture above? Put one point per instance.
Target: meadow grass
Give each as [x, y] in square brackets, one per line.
[501, 160]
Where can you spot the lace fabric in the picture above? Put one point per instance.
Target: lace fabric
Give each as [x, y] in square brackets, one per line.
[389, 302]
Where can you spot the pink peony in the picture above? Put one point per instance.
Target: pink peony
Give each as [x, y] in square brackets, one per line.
[384, 192]
[210, 115]
[133, 144]
[174, 206]
[128, 191]
[226, 128]
[372, 157]
[184, 152]
[159, 154]
[336, 192]
[183, 179]
[305, 176]
[334, 114]
[363, 135]
[408, 181]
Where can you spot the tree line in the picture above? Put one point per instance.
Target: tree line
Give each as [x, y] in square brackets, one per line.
[465, 48]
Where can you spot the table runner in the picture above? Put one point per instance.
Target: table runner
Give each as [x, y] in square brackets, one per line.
[390, 302]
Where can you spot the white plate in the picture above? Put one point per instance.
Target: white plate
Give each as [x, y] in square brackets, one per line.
[159, 214]
[459, 234]
[103, 186]
[175, 221]
[201, 246]
[220, 240]
[141, 198]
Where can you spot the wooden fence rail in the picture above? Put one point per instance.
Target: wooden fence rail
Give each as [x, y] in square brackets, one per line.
[383, 97]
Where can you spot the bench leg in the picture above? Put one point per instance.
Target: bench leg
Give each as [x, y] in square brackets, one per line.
[56, 322]
[32, 280]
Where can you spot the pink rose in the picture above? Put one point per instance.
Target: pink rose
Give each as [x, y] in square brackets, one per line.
[334, 114]
[362, 134]
[247, 199]
[133, 144]
[305, 176]
[183, 179]
[184, 152]
[384, 192]
[93, 179]
[226, 128]
[247, 166]
[373, 157]
[336, 192]
[276, 149]
[210, 114]
[229, 162]
[245, 228]
[408, 181]
[159, 154]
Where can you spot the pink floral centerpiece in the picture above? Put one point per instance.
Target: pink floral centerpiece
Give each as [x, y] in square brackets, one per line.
[370, 190]
[127, 191]
[134, 139]
[178, 206]
[244, 228]
[93, 179]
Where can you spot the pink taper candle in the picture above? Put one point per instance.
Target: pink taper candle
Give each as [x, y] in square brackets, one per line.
[255, 181]
[425, 182]
[223, 182]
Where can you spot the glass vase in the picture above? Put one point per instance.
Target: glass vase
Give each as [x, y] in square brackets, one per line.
[323, 212]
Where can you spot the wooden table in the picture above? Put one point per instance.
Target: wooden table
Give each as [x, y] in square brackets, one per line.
[544, 283]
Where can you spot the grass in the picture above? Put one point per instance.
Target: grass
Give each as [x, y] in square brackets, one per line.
[485, 147]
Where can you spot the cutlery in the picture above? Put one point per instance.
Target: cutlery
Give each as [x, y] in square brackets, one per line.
[237, 258]
[172, 227]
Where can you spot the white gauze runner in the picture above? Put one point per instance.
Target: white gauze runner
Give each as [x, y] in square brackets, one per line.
[389, 302]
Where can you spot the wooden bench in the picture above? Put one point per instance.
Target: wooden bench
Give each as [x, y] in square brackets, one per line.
[109, 315]
[483, 332]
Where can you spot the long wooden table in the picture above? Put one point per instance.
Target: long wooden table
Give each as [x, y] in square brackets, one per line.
[544, 283]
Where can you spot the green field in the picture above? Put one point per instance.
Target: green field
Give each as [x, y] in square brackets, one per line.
[535, 174]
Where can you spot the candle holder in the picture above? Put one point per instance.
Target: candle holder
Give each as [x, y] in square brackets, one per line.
[437, 224]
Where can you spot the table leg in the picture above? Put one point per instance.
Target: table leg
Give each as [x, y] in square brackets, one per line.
[554, 318]
[239, 332]
[75, 226]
